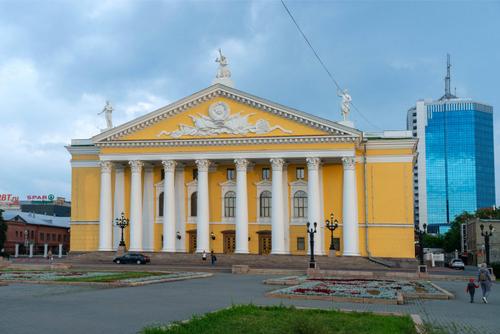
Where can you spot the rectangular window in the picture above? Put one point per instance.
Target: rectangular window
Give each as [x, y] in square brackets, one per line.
[53, 237]
[195, 174]
[265, 174]
[299, 173]
[32, 234]
[59, 238]
[42, 236]
[230, 174]
[301, 243]
[16, 234]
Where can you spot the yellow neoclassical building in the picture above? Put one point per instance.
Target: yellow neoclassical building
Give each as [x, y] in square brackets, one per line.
[227, 171]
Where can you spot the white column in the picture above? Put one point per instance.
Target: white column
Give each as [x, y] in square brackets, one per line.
[105, 208]
[16, 251]
[45, 250]
[31, 250]
[60, 251]
[350, 209]
[313, 202]
[202, 230]
[241, 206]
[148, 209]
[169, 233]
[277, 221]
[135, 206]
[119, 202]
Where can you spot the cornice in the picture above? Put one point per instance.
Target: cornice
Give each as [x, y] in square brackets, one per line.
[229, 141]
[76, 150]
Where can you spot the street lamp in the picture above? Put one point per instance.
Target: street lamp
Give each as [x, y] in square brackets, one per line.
[122, 222]
[332, 225]
[487, 235]
[421, 233]
[311, 231]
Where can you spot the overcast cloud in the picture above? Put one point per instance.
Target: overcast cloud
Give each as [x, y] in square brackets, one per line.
[60, 61]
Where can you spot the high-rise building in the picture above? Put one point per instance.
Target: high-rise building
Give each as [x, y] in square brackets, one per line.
[455, 166]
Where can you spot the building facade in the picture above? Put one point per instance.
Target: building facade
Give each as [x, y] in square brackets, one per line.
[473, 243]
[57, 207]
[44, 233]
[227, 171]
[455, 167]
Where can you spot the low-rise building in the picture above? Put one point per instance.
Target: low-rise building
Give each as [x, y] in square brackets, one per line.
[43, 232]
[473, 243]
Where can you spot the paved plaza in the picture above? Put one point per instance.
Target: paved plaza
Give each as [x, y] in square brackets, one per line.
[71, 309]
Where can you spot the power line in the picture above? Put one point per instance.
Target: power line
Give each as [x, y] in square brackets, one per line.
[337, 85]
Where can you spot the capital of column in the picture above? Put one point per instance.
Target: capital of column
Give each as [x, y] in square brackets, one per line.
[169, 165]
[241, 164]
[313, 163]
[349, 163]
[136, 166]
[203, 165]
[106, 166]
[277, 164]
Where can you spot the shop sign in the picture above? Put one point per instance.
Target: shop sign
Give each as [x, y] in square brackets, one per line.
[9, 199]
[40, 198]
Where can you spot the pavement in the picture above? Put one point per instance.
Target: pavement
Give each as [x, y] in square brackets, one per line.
[75, 309]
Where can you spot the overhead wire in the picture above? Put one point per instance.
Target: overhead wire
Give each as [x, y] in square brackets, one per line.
[330, 75]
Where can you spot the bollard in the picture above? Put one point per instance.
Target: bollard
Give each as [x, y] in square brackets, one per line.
[60, 251]
[31, 250]
[45, 250]
[16, 254]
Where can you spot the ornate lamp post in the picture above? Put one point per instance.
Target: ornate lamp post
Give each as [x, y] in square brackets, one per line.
[332, 225]
[311, 231]
[487, 235]
[122, 222]
[421, 233]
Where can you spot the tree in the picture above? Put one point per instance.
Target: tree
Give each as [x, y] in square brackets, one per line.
[433, 241]
[3, 230]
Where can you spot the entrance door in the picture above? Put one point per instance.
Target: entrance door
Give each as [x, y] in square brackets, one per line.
[192, 241]
[229, 239]
[265, 243]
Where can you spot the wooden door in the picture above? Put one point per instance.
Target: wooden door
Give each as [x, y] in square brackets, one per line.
[192, 241]
[229, 240]
[265, 243]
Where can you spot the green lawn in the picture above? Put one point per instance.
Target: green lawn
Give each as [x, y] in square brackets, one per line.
[109, 278]
[279, 319]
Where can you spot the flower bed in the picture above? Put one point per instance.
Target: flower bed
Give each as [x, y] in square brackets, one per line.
[93, 278]
[359, 290]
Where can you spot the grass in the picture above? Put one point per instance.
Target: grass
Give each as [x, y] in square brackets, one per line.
[109, 278]
[249, 319]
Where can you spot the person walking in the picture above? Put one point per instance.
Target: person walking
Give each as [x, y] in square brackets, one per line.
[471, 289]
[204, 256]
[484, 279]
[213, 258]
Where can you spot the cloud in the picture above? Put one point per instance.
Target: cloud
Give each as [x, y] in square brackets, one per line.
[38, 124]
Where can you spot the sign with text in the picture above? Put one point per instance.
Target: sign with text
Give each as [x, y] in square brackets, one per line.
[40, 198]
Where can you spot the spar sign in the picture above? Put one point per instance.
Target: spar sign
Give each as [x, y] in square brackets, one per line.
[40, 198]
[9, 199]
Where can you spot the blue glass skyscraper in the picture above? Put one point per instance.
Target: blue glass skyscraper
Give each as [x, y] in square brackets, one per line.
[455, 166]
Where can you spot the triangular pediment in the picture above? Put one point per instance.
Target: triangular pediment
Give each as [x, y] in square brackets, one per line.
[221, 112]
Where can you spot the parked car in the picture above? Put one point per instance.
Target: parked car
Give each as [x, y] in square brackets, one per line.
[132, 258]
[457, 264]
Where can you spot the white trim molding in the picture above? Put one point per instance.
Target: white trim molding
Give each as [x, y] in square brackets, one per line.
[85, 164]
[263, 185]
[297, 185]
[81, 222]
[226, 186]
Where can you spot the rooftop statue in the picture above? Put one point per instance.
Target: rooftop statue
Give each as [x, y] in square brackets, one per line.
[108, 111]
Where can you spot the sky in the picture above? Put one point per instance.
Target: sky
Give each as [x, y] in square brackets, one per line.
[61, 60]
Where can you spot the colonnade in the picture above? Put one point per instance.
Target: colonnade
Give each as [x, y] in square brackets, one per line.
[142, 235]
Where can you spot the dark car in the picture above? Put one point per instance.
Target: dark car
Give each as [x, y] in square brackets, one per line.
[132, 258]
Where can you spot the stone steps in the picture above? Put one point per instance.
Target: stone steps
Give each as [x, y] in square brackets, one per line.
[228, 260]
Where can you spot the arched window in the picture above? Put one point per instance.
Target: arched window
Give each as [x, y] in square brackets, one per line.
[160, 204]
[300, 204]
[229, 204]
[194, 204]
[265, 204]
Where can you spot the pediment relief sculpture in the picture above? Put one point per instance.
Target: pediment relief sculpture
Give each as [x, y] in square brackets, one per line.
[221, 121]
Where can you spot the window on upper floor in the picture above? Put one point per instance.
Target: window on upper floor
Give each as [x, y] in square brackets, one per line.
[194, 204]
[265, 204]
[229, 204]
[230, 174]
[160, 204]
[300, 204]
[299, 173]
[266, 175]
